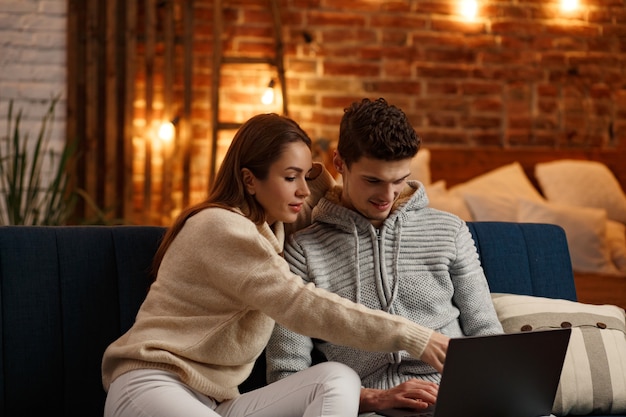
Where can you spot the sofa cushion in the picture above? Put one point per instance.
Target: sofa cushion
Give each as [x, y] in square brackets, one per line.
[593, 379]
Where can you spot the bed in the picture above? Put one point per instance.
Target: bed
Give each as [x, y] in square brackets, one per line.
[581, 190]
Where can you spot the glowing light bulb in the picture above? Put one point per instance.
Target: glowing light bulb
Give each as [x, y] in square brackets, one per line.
[166, 132]
[569, 5]
[469, 8]
[268, 95]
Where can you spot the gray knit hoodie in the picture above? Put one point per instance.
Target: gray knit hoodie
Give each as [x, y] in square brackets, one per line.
[421, 264]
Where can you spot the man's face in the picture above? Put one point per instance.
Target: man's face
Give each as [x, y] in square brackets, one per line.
[371, 186]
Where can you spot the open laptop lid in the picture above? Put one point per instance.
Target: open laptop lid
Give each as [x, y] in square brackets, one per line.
[506, 375]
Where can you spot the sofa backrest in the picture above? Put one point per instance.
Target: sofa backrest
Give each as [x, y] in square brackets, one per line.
[525, 258]
[67, 292]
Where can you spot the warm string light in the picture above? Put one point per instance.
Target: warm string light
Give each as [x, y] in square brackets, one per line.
[167, 130]
[268, 95]
[569, 5]
[469, 9]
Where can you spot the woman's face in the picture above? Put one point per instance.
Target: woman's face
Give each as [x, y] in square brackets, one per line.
[283, 192]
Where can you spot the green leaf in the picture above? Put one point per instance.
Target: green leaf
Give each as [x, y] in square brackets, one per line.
[27, 197]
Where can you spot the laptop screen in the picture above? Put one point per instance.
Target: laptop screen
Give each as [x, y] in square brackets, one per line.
[506, 375]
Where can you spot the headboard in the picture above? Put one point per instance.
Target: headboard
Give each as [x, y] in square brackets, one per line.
[459, 164]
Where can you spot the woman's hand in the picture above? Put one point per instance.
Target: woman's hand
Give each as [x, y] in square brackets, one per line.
[435, 352]
[414, 394]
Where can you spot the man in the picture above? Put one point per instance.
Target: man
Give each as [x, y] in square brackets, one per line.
[374, 240]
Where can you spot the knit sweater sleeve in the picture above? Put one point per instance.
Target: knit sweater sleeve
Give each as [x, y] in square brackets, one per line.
[471, 295]
[265, 283]
[287, 351]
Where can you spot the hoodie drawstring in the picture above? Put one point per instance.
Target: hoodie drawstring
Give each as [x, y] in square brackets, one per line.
[357, 268]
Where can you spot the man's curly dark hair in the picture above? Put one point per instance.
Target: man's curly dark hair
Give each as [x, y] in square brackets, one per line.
[378, 130]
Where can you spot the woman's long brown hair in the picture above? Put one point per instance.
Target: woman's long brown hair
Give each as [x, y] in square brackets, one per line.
[256, 146]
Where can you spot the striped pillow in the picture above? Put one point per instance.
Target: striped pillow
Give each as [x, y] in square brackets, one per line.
[593, 379]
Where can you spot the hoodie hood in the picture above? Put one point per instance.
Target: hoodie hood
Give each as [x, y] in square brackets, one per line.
[331, 211]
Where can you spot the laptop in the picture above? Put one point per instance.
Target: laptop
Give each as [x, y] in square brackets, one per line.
[505, 375]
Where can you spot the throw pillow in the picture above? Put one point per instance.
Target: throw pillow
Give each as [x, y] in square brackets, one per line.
[436, 189]
[494, 195]
[497, 206]
[508, 180]
[585, 230]
[420, 167]
[616, 236]
[593, 379]
[584, 184]
[440, 199]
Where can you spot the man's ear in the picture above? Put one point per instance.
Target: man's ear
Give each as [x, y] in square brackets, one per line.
[338, 162]
[249, 180]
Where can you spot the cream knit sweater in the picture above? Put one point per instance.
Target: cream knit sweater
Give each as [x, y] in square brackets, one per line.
[220, 288]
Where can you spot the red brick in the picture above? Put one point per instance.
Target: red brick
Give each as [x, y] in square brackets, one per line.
[350, 69]
[441, 88]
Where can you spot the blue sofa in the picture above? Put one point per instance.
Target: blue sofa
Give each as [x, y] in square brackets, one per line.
[67, 292]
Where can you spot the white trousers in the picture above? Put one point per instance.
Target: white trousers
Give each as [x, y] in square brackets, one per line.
[329, 389]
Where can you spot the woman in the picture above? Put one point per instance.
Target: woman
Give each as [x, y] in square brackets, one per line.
[221, 284]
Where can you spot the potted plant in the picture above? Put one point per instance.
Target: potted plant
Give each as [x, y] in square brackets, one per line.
[34, 182]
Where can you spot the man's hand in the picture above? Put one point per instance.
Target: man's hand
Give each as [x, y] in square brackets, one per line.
[435, 352]
[414, 394]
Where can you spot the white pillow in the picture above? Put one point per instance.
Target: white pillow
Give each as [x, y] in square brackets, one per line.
[583, 184]
[616, 236]
[593, 379]
[436, 189]
[494, 195]
[508, 179]
[440, 199]
[420, 167]
[585, 230]
[496, 206]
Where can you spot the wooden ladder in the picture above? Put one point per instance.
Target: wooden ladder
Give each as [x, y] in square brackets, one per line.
[277, 61]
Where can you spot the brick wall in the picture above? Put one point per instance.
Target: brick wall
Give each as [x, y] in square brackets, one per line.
[522, 73]
[33, 62]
